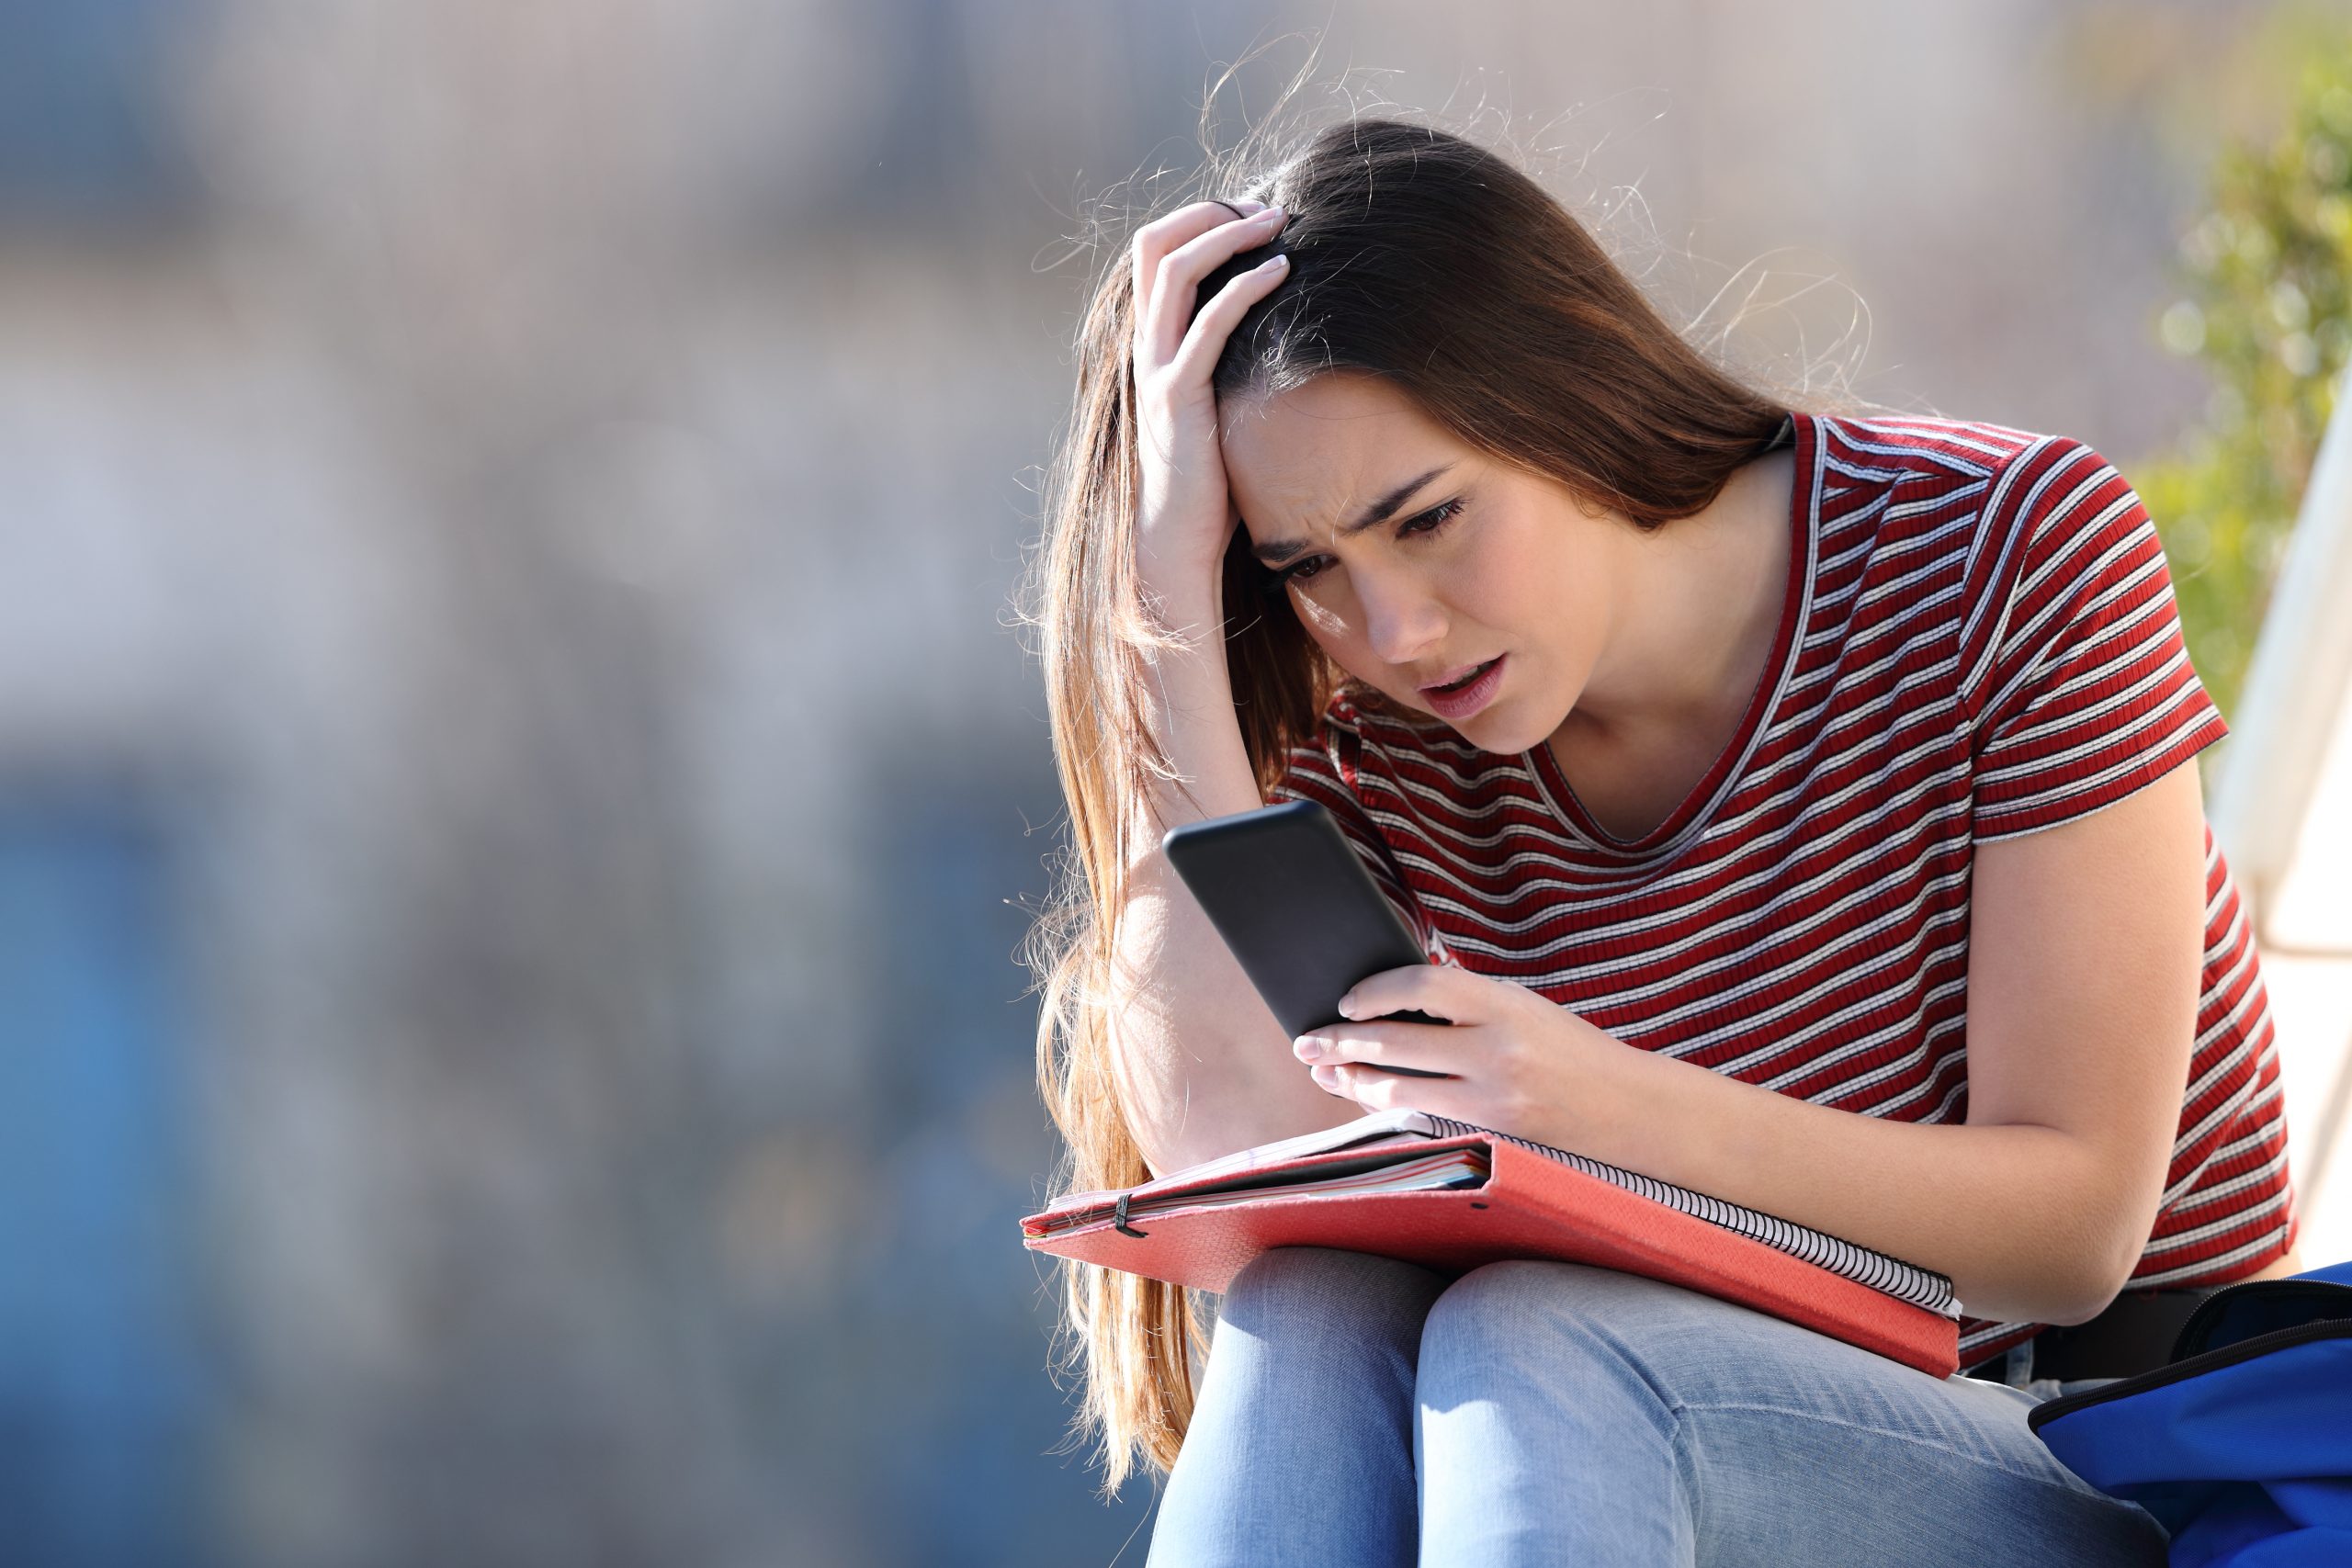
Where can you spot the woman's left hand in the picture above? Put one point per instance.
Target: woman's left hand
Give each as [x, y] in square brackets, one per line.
[1516, 1061]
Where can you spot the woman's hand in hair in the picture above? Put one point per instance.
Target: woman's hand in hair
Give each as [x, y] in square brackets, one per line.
[1516, 1061]
[1184, 517]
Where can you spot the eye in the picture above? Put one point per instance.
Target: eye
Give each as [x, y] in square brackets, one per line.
[1422, 525]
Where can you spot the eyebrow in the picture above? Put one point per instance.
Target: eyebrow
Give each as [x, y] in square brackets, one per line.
[1273, 552]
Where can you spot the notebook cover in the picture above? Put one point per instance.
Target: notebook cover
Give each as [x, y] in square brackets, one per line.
[1531, 1206]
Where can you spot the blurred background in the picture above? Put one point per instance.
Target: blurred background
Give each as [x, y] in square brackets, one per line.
[518, 787]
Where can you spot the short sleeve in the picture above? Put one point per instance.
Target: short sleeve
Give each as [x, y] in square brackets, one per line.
[2083, 691]
[1324, 771]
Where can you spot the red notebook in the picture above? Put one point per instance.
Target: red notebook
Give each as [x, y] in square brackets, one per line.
[1449, 1195]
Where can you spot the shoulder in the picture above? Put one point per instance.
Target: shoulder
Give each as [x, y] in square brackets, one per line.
[2058, 516]
[1961, 490]
[2014, 467]
[2021, 501]
[1900, 446]
[2001, 474]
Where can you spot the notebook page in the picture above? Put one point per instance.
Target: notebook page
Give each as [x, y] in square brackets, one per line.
[1379, 1124]
[1394, 1173]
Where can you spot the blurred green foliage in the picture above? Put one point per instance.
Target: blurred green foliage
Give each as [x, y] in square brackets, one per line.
[2266, 307]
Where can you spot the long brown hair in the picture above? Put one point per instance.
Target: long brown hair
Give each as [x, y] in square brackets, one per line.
[1419, 256]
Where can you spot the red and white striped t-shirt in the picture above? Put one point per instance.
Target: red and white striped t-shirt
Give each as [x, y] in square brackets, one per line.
[1979, 640]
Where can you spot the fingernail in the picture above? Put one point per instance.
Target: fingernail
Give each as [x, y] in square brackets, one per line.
[1247, 205]
[1348, 1005]
[1307, 1046]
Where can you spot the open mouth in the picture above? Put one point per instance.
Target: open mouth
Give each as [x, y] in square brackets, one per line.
[1457, 685]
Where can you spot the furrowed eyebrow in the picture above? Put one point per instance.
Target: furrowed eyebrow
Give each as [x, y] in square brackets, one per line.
[1273, 552]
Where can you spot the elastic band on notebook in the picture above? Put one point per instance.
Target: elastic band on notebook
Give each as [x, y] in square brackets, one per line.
[1119, 1222]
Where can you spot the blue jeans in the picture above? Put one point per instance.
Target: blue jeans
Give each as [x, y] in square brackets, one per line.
[1357, 1411]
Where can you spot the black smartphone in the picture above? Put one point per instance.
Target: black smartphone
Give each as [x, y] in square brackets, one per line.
[1297, 909]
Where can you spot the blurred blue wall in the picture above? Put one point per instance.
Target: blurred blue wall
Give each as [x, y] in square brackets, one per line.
[99, 1383]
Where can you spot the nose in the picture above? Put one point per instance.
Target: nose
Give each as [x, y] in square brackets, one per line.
[1401, 623]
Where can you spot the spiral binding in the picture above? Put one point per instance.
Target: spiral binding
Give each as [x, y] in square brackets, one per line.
[1905, 1282]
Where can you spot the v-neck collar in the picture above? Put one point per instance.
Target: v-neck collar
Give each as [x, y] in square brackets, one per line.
[1697, 806]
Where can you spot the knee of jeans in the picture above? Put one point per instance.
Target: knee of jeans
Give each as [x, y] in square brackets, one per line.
[1313, 1280]
[1500, 1310]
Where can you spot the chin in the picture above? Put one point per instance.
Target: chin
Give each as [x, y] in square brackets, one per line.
[1482, 726]
[1504, 733]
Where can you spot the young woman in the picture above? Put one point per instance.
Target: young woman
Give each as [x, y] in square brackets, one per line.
[1799, 804]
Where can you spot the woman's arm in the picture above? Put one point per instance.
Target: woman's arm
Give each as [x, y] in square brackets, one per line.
[2084, 966]
[1196, 1051]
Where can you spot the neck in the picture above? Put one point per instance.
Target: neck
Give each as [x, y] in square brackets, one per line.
[1702, 604]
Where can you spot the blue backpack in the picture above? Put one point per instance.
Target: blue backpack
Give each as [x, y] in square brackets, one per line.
[2240, 1445]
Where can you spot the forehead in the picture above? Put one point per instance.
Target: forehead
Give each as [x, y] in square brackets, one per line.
[1311, 457]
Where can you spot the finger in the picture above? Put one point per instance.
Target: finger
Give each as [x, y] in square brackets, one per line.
[1204, 339]
[1439, 989]
[1387, 1092]
[1176, 282]
[1152, 244]
[1156, 238]
[1424, 1045]
[1327, 1079]
[1149, 250]
[1374, 1091]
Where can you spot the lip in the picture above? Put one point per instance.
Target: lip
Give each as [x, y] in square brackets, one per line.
[1455, 673]
[1470, 698]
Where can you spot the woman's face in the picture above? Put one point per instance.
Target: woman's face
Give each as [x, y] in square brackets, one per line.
[1475, 560]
